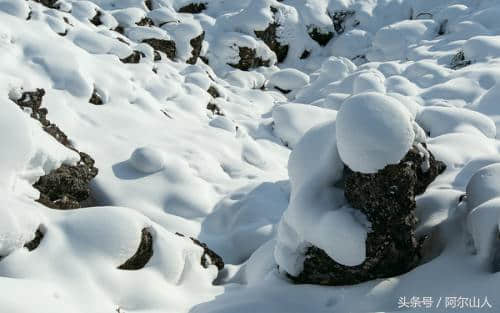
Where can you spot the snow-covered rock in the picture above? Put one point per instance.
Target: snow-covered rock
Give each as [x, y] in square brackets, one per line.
[373, 131]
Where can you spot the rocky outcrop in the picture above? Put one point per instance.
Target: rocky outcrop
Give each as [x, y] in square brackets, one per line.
[142, 255]
[166, 46]
[249, 59]
[271, 39]
[387, 199]
[96, 20]
[35, 242]
[214, 108]
[339, 18]
[193, 8]
[321, 37]
[209, 257]
[134, 57]
[68, 186]
[196, 43]
[52, 4]
[96, 98]
[458, 61]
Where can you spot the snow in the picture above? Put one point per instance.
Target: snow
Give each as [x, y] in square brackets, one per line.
[260, 183]
[383, 132]
[288, 79]
[147, 160]
[293, 120]
[316, 214]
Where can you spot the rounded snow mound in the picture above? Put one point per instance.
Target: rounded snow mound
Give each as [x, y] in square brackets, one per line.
[147, 160]
[373, 130]
[289, 79]
[484, 185]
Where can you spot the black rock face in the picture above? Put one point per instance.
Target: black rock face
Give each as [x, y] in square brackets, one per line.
[68, 186]
[209, 257]
[458, 61]
[196, 43]
[387, 199]
[134, 57]
[193, 8]
[52, 4]
[249, 59]
[96, 99]
[166, 46]
[322, 38]
[35, 242]
[142, 255]
[270, 37]
[96, 20]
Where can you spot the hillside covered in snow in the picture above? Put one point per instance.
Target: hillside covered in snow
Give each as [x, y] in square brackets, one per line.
[230, 156]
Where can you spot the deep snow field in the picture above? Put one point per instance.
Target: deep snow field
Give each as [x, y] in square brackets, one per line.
[246, 161]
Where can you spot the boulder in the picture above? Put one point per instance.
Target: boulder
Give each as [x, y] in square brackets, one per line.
[68, 186]
[249, 59]
[387, 199]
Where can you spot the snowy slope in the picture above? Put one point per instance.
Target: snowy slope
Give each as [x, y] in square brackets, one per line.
[246, 161]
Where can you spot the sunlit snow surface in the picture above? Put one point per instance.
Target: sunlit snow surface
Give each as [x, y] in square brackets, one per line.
[168, 164]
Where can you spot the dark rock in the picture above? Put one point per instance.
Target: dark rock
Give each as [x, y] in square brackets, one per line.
[145, 21]
[119, 29]
[194, 8]
[249, 59]
[204, 59]
[209, 256]
[52, 4]
[458, 61]
[270, 37]
[63, 34]
[214, 108]
[157, 56]
[283, 91]
[387, 199]
[142, 255]
[196, 43]
[135, 57]
[149, 4]
[96, 99]
[495, 263]
[320, 37]
[213, 92]
[96, 20]
[442, 27]
[339, 18]
[162, 45]
[68, 186]
[35, 242]
[305, 54]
